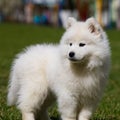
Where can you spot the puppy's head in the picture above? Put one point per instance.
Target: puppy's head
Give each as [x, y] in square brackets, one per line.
[82, 40]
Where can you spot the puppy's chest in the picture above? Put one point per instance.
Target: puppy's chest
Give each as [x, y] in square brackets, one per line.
[76, 82]
[82, 85]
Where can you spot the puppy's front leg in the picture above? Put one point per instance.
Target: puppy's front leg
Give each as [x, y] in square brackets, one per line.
[67, 107]
[86, 112]
[27, 116]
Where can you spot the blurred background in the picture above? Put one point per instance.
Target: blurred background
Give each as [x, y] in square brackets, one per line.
[55, 12]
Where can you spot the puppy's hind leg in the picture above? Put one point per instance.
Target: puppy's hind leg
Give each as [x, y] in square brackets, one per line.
[32, 95]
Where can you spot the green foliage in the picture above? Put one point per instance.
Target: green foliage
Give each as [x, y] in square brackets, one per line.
[15, 37]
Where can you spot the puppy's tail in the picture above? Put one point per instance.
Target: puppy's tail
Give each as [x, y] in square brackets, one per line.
[12, 90]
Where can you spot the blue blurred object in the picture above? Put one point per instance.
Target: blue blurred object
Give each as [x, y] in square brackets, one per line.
[42, 19]
[36, 19]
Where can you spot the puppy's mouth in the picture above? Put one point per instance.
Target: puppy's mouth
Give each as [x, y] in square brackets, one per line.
[73, 60]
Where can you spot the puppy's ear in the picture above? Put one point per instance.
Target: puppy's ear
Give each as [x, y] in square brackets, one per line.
[93, 26]
[70, 22]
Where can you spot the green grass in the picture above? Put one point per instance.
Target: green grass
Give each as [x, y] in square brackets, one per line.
[14, 37]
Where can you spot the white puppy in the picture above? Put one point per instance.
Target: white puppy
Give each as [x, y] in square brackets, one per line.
[73, 72]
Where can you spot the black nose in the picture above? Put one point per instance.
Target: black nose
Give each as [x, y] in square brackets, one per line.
[71, 54]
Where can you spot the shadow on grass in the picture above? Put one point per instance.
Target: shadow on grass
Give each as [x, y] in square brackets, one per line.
[55, 118]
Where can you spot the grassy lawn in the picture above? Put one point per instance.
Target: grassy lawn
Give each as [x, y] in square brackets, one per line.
[14, 37]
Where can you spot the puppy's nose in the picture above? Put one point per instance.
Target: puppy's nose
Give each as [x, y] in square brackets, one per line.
[71, 54]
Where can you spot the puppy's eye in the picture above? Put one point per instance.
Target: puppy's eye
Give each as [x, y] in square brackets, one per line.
[82, 44]
[70, 44]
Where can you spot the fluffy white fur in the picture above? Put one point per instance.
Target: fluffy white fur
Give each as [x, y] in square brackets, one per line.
[73, 72]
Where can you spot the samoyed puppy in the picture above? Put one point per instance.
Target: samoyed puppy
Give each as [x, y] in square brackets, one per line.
[74, 73]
